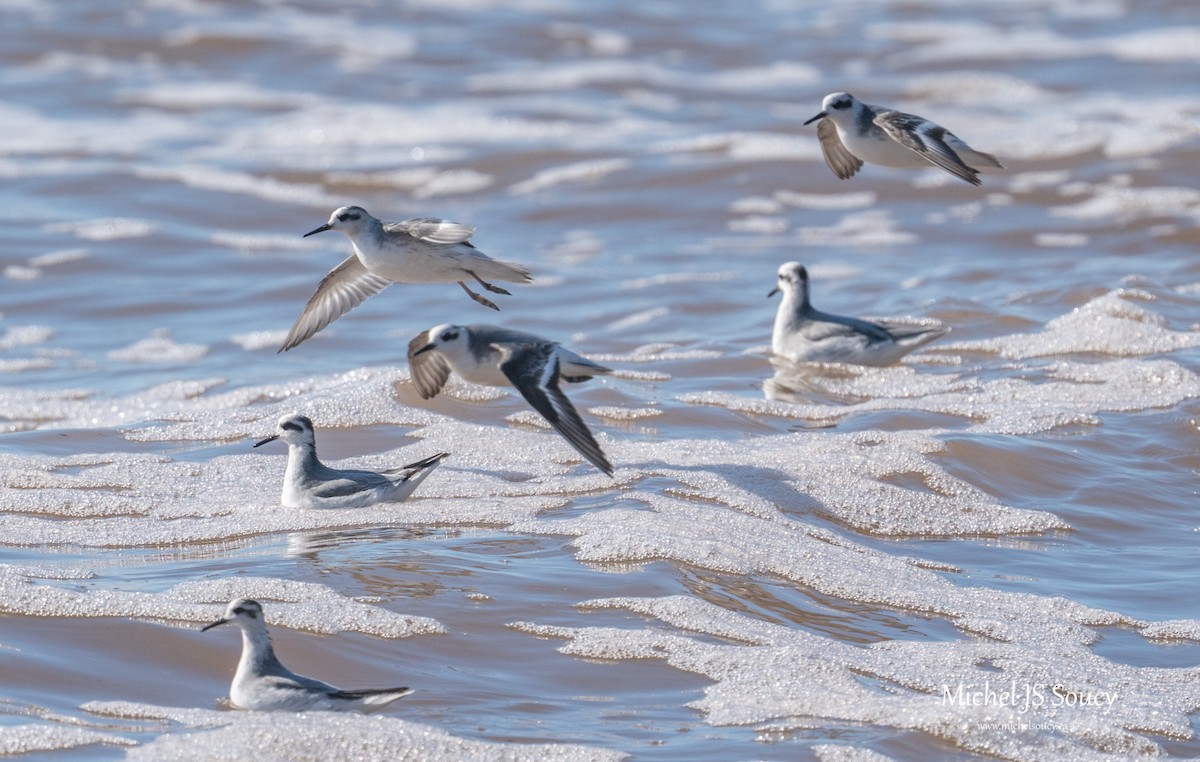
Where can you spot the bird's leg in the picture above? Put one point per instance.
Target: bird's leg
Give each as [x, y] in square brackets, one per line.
[488, 286]
[481, 299]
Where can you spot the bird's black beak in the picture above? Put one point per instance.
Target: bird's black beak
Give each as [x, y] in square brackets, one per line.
[217, 623]
[263, 442]
[327, 226]
[773, 292]
[821, 115]
[425, 348]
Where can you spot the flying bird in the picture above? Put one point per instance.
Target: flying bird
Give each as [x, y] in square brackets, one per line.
[851, 132]
[421, 250]
[495, 356]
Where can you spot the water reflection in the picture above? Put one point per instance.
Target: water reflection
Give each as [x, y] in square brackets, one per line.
[810, 383]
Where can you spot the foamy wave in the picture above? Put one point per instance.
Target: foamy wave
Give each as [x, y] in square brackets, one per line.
[294, 604]
[159, 348]
[1111, 324]
[34, 739]
[1047, 671]
[582, 172]
[320, 737]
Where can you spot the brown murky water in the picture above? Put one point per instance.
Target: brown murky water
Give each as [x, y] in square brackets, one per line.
[986, 551]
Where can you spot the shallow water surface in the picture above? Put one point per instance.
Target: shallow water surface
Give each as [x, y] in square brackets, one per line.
[789, 562]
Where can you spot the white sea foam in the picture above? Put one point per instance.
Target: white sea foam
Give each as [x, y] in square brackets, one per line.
[21, 272]
[196, 96]
[576, 74]
[580, 172]
[356, 45]
[1130, 204]
[25, 335]
[1074, 394]
[810, 675]
[454, 182]
[1112, 324]
[830, 201]
[320, 737]
[112, 229]
[60, 257]
[32, 739]
[159, 348]
[295, 604]
[210, 178]
[868, 228]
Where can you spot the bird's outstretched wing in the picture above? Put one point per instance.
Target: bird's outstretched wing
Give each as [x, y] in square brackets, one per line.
[341, 290]
[843, 163]
[928, 140]
[433, 230]
[534, 370]
[429, 369]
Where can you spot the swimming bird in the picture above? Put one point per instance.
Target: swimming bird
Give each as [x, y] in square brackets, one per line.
[805, 334]
[420, 250]
[262, 683]
[851, 132]
[309, 483]
[495, 356]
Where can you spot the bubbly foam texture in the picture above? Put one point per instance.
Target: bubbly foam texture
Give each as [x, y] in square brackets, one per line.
[159, 348]
[211, 735]
[627, 160]
[33, 739]
[1113, 324]
[290, 603]
[1036, 644]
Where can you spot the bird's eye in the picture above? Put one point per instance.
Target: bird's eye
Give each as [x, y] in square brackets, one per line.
[291, 426]
[840, 105]
[449, 335]
[348, 216]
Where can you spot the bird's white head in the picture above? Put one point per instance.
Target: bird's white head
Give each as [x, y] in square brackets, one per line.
[450, 340]
[242, 612]
[837, 106]
[294, 429]
[793, 278]
[348, 219]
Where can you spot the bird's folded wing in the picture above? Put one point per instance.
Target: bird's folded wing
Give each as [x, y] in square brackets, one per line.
[844, 328]
[843, 163]
[534, 370]
[364, 482]
[926, 139]
[433, 230]
[341, 290]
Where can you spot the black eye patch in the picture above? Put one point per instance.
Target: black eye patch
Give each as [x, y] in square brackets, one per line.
[449, 335]
[291, 426]
[839, 105]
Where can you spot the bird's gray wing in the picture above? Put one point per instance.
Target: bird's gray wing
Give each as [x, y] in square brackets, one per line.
[843, 163]
[534, 370]
[822, 327]
[928, 140]
[351, 484]
[432, 230]
[429, 370]
[903, 332]
[293, 682]
[341, 290]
